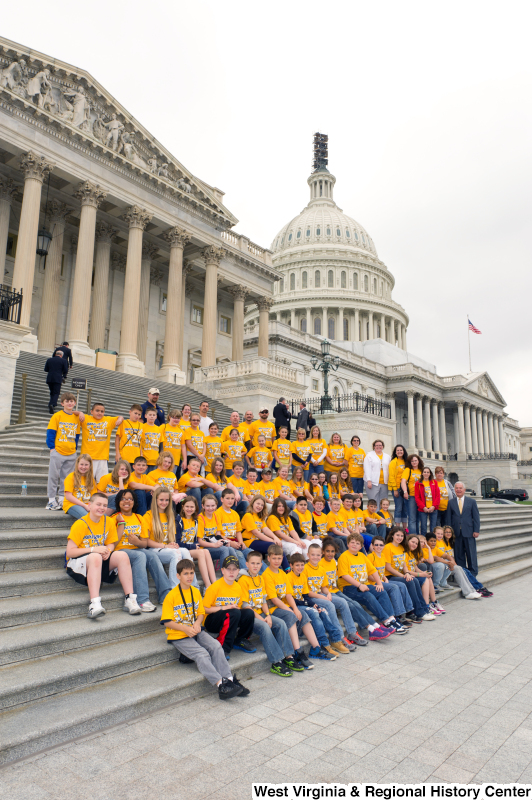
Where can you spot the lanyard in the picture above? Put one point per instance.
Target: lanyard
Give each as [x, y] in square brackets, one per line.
[191, 602]
[90, 529]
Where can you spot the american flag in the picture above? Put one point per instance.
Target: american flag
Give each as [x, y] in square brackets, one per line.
[472, 327]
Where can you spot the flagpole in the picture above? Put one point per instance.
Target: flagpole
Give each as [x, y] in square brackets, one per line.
[469, 343]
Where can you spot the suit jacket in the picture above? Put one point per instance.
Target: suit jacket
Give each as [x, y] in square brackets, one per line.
[281, 415]
[57, 369]
[302, 419]
[466, 523]
[67, 355]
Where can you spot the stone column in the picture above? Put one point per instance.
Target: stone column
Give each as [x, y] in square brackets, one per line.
[467, 418]
[324, 325]
[474, 438]
[36, 169]
[490, 433]
[91, 196]
[443, 428]
[309, 320]
[7, 192]
[149, 251]
[502, 441]
[485, 432]
[187, 269]
[427, 427]
[340, 331]
[171, 369]
[239, 297]
[456, 431]
[480, 432]
[496, 434]
[264, 304]
[404, 337]
[292, 318]
[382, 323]
[11, 336]
[56, 212]
[127, 360]
[212, 256]
[435, 425]
[356, 337]
[461, 427]
[411, 425]
[419, 409]
[371, 332]
[104, 236]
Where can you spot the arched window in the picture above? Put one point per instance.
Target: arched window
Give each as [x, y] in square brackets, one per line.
[330, 326]
[343, 280]
[348, 234]
[355, 280]
[336, 392]
[366, 283]
[374, 285]
[346, 329]
[304, 280]
[330, 278]
[363, 239]
[317, 281]
[292, 281]
[308, 231]
[281, 286]
[356, 236]
[328, 231]
[317, 326]
[318, 231]
[303, 324]
[338, 232]
[298, 235]
[289, 237]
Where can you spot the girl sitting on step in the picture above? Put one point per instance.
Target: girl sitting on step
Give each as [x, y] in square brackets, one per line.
[115, 482]
[448, 536]
[444, 565]
[187, 532]
[79, 487]
[160, 524]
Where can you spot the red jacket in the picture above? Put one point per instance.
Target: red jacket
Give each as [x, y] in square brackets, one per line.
[420, 494]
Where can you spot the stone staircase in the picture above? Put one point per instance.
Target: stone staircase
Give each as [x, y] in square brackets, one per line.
[63, 676]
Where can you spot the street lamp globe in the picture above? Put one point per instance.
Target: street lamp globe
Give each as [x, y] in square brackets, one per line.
[325, 347]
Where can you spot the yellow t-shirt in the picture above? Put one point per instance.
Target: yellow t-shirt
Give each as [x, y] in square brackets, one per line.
[369, 518]
[251, 522]
[130, 434]
[414, 475]
[172, 439]
[228, 523]
[96, 436]
[350, 518]
[337, 454]
[444, 496]
[136, 525]
[379, 562]
[393, 555]
[332, 575]
[184, 424]
[107, 485]
[275, 524]
[148, 521]
[282, 486]
[334, 491]
[381, 476]
[395, 473]
[386, 515]
[213, 448]
[316, 577]
[221, 594]
[67, 427]
[196, 439]
[86, 533]
[149, 443]
[233, 451]
[359, 517]
[83, 493]
[164, 478]
[356, 456]
[305, 522]
[318, 446]
[242, 429]
[441, 549]
[251, 489]
[221, 482]
[428, 494]
[302, 450]
[185, 478]
[253, 591]
[336, 521]
[298, 489]
[144, 479]
[357, 567]
[315, 490]
[238, 483]
[275, 586]
[191, 530]
[267, 490]
[208, 528]
[174, 610]
[281, 448]
[260, 457]
[296, 585]
[411, 561]
[260, 428]
[321, 524]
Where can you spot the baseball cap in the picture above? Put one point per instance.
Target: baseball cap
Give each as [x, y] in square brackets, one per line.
[262, 409]
[230, 561]
[154, 390]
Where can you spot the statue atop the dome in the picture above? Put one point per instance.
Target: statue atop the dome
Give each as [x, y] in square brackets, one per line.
[321, 152]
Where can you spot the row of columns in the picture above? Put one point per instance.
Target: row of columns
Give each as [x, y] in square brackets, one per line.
[477, 431]
[98, 234]
[363, 325]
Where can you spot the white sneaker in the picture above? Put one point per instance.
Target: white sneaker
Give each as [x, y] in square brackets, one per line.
[474, 596]
[59, 504]
[428, 617]
[95, 608]
[51, 505]
[131, 605]
[147, 606]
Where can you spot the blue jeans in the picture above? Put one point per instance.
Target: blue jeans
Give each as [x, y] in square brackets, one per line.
[318, 624]
[334, 626]
[219, 553]
[172, 557]
[111, 501]
[315, 469]
[377, 603]
[151, 468]
[195, 492]
[414, 590]
[400, 513]
[358, 485]
[443, 517]
[424, 517]
[275, 640]
[142, 503]
[353, 611]
[77, 512]
[262, 547]
[142, 560]
[413, 520]
[399, 598]
[340, 540]
[440, 573]
[476, 584]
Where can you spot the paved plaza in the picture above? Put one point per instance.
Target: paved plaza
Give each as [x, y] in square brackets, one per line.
[450, 701]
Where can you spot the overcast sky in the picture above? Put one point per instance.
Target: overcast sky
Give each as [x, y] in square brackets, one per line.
[428, 111]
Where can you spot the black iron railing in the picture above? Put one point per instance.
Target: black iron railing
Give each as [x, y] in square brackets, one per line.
[485, 457]
[525, 463]
[10, 304]
[343, 403]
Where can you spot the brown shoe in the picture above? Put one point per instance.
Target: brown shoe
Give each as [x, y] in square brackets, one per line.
[330, 650]
[339, 647]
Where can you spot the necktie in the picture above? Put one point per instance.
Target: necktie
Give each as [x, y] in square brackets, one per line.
[461, 504]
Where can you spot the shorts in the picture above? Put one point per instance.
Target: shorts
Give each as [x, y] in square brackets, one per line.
[77, 569]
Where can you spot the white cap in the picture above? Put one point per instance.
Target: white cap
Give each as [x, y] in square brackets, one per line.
[154, 390]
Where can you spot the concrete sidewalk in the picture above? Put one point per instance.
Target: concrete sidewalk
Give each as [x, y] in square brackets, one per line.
[450, 701]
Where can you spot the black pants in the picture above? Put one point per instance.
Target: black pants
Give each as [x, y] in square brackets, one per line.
[465, 553]
[231, 626]
[55, 391]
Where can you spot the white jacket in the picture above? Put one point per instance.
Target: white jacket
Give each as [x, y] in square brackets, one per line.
[372, 467]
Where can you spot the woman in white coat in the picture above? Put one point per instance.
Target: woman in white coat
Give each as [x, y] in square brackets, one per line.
[376, 465]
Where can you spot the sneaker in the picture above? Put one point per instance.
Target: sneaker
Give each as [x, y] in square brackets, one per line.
[444, 586]
[95, 608]
[379, 633]
[485, 592]
[51, 505]
[427, 617]
[292, 664]
[440, 608]
[355, 638]
[131, 605]
[338, 647]
[474, 596]
[399, 628]
[59, 504]
[147, 607]
[245, 690]
[244, 645]
[228, 689]
[350, 646]
[434, 609]
[411, 617]
[387, 627]
[406, 623]
[281, 669]
[322, 653]
[302, 659]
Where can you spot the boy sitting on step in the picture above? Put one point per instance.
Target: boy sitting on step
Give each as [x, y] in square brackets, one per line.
[62, 438]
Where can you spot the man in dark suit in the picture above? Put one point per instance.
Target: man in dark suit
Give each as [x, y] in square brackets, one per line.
[67, 354]
[282, 415]
[302, 418]
[465, 521]
[57, 369]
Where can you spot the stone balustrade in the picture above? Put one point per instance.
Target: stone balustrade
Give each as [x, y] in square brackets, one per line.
[252, 366]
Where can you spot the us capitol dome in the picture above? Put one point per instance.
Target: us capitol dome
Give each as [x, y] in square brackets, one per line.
[334, 284]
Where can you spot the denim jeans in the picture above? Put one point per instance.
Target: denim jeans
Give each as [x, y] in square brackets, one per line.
[358, 485]
[399, 598]
[172, 557]
[400, 513]
[111, 501]
[475, 583]
[142, 560]
[318, 624]
[260, 546]
[443, 517]
[195, 492]
[77, 512]
[315, 469]
[334, 626]
[275, 640]
[424, 517]
[413, 519]
[140, 497]
[340, 540]
[440, 573]
[219, 553]
[350, 610]
[414, 590]
[376, 602]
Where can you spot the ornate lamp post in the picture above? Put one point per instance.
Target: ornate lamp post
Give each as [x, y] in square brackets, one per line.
[325, 364]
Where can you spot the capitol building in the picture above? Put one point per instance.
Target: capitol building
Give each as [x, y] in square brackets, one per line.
[116, 247]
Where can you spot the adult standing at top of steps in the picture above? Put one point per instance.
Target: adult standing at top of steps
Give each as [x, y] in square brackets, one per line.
[376, 464]
[205, 420]
[151, 403]
[57, 369]
[465, 522]
[67, 354]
